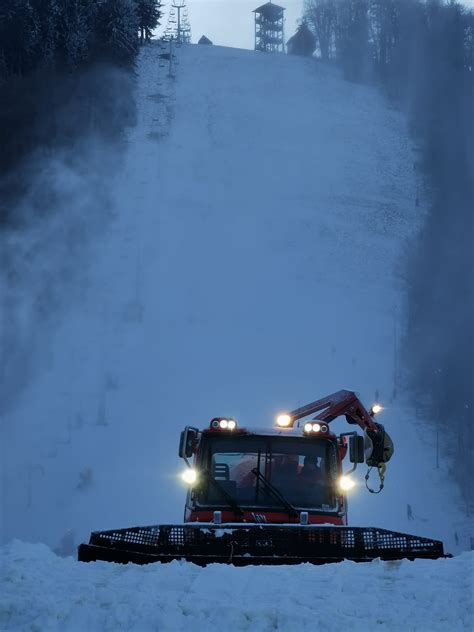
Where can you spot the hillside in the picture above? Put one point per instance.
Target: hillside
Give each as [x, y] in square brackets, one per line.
[251, 266]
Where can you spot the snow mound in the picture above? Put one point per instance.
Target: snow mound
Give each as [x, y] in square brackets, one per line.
[40, 591]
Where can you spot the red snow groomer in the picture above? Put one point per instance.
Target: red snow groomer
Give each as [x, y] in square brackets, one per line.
[271, 496]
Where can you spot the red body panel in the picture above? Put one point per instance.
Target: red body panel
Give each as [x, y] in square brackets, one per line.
[268, 517]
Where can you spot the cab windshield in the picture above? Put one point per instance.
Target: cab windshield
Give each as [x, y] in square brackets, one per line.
[303, 471]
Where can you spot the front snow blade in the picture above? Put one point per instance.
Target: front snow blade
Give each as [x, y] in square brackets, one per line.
[242, 545]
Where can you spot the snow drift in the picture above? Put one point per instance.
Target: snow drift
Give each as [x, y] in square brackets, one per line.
[43, 592]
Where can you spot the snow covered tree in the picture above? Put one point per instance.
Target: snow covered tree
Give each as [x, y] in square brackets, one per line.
[148, 17]
[116, 30]
[19, 34]
[69, 33]
[75, 26]
[46, 16]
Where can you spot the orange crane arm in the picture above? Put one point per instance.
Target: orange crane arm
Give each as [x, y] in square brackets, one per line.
[348, 404]
[340, 403]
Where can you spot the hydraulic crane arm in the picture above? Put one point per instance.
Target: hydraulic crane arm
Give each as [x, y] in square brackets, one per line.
[379, 447]
[340, 403]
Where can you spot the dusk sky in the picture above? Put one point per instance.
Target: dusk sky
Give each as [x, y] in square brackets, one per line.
[230, 22]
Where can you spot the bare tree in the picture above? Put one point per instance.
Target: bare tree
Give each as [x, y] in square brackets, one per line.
[321, 16]
[383, 31]
[351, 38]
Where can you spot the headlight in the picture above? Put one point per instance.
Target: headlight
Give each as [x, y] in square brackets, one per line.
[315, 427]
[222, 423]
[189, 476]
[376, 408]
[283, 421]
[346, 483]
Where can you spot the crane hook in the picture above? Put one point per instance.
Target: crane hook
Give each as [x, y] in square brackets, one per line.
[381, 469]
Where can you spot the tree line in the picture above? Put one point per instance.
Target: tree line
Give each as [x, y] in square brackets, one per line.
[67, 34]
[421, 55]
[378, 37]
[61, 77]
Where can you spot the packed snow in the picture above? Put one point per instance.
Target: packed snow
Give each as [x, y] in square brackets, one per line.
[43, 592]
[252, 265]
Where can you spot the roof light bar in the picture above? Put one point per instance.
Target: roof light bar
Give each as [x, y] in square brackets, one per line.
[222, 423]
[312, 427]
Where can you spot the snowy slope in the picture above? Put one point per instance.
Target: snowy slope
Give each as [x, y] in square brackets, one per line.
[251, 266]
[44, 592]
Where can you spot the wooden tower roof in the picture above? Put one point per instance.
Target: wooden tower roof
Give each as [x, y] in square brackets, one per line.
[270, 11]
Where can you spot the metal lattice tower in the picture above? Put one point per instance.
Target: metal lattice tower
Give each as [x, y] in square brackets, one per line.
[270, 28]
[178, 27]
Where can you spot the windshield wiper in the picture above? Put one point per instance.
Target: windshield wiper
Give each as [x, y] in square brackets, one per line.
[275, 491]
[229, 498]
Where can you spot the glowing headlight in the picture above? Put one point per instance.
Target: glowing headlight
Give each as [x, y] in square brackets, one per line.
[310, 427]
[221, 423]
[189, 476]
[283, 421]
[346, 483]
[376, 408]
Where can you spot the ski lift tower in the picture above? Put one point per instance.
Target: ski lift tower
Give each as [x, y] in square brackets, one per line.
[178, 27]
[269, 28]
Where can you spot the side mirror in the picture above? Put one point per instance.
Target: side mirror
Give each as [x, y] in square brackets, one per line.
[356, 449]
[187, 442]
